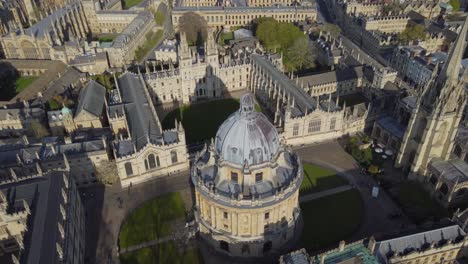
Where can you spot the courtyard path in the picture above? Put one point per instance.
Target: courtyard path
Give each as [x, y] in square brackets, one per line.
[317, 195]
[114, 212]
[376, 210]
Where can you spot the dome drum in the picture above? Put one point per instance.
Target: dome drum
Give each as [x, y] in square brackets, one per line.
[247, 186]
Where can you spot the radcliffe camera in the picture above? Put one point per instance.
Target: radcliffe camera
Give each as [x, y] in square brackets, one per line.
[233, 132]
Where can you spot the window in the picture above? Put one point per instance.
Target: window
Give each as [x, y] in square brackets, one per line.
[259, 177]
[296, 130]
[225, 215]
[174, 156]
[314, 125]
[128, 169]
[267, 216]
[234, 176]
[151, 161]
[265, 227]
[332, 123]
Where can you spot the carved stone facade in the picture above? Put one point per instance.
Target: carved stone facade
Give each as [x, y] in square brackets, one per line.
[142, 149]
[247, 187]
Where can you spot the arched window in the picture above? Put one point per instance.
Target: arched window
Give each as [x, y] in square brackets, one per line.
[151, 161]
[128, 169]
[174, 156]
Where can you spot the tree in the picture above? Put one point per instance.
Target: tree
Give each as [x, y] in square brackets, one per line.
[195, 28]
[159, 17]
[301, 55]
[455, 4]
[412, 33]
[39, 130]
[106, 172]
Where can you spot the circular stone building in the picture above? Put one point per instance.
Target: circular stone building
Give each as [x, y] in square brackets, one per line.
[247, 186]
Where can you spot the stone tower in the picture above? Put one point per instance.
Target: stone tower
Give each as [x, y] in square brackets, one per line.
[185, 66]
[435, 119]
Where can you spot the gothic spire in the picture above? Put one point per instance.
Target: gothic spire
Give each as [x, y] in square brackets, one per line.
[453, 64]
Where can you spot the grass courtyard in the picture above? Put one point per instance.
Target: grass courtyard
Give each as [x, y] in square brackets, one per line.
[152, 220]
[152, 38]
[162, 253]
[318, 179]
[23, 82]
[201, 121]
[127, 4]
[417, 202]
[330, 219]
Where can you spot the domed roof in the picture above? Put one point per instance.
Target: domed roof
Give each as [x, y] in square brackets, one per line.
[247, 136]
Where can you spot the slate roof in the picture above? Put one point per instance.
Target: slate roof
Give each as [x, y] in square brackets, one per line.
[302, 100]
[332, 76]
[45, 25]
[43, 195]
[452, 170]
[295, 257]
[411, 243]
[392, 126]
[143, 123]
[91, 99]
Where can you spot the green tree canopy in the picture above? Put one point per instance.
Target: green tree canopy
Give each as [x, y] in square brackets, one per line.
[412, 33]
[301, 55]
[285, 37]
[195, 28]
[455, 4]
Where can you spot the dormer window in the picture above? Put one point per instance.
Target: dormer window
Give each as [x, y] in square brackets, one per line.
[234, 177]
[259, 177]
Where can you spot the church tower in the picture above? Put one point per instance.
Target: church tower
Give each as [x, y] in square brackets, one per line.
[435, 119]
[212, 66]
[185, 67]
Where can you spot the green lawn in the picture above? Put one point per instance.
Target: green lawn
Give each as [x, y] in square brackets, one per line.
[330, 219]
[317, 179]
[131, 3]
[162, 253]
[225, 37]
[151, 220]
[152, 38]
[106, 38]
[201, 121]
[23, 82]
[418, 204]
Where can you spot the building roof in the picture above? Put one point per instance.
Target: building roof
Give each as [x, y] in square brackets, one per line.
[452, 170]
[91, 99]
[302, 101]
[132, 29]
[352, 253]
[392, 126]
[418, 242]
[44, 26]
[332, 76]
[247, 136]
[44, 197]
[296, 257]
[142, 120]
